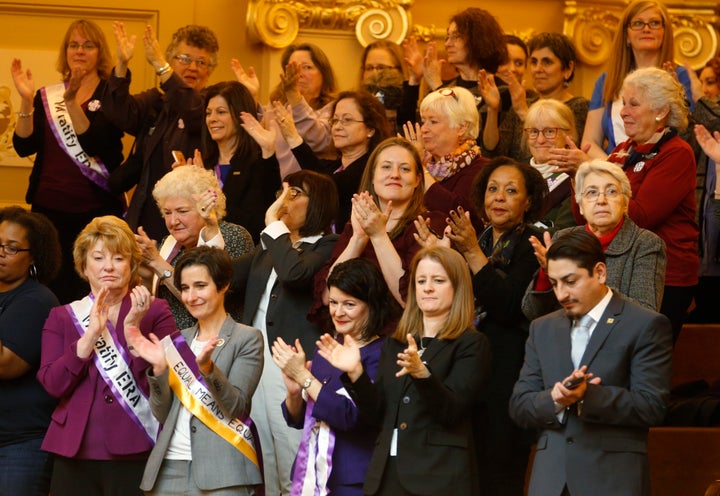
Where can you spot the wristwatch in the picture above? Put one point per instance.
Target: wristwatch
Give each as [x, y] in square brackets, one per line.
[307, 383]
[166, 274]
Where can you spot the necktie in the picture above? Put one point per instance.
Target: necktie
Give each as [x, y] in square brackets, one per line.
[580, 335]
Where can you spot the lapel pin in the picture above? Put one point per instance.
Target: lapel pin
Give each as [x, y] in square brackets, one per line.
[610, 320]
[220, 342]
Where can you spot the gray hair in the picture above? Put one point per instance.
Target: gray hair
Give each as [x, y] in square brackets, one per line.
[186, 181]
[458, 105]
[599, 166]
[661, 89]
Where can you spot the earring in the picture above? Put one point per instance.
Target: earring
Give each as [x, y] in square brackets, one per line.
[33, 271]
[657, 119]
[565, 84]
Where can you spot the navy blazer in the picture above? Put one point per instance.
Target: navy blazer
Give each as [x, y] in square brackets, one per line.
[601, 447]
[292, 293]
[435, 448]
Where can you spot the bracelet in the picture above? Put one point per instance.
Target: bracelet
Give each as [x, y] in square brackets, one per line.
[24, 115]
[164, 69]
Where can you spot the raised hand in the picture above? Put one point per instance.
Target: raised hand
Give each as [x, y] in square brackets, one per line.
[344, 357]
[413, 133]
[151, 350]
[125, 43]
[410, 362]
[488, 90]
[461, 232]
[98, 321]
[153, 52]
[147, 245]
[710, 144]
[285, 122]
[413, 58]
[372, 220]
[205, 363]
[290, 360]
[568, 159]
[264, 137]
[540, 250]
[248, 79]
[24, 83]
[141, 299]
[432, 67]
[278, 208]
[425, 236]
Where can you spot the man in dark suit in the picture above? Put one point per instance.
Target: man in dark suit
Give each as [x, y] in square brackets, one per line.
[593, 439]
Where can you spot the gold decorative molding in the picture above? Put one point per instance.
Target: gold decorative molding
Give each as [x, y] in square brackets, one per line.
[592, 24]
[276, 23]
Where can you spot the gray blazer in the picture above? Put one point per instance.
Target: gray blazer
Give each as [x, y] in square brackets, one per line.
[635, 263]
[238, 366]
[600, 448]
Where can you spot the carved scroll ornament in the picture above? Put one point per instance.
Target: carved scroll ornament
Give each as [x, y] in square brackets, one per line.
[276, 23]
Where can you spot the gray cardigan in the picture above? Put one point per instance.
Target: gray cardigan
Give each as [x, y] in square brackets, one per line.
[238, 366]
[635, 262]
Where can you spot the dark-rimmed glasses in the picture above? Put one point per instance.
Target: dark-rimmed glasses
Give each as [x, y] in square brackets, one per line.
[639, 25]
[12, 250]
[547, 132]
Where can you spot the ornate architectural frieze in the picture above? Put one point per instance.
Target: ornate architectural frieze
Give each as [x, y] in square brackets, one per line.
[276, 23]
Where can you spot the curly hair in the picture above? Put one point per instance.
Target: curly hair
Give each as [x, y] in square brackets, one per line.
[196, 36]
[535, 186]
[94, 34]
[41, 236]
[186, 181]
[484, 38]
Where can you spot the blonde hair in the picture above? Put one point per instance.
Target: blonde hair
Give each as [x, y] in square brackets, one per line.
[462, 311]
[556, 112]
[116, 236]
[186, 181]
[623, 59]
[94, 34]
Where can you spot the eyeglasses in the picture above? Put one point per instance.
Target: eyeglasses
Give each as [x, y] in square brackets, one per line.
[185, 59]
[638, 25]
[87, 46]
[547, 132]
[293, 192]
[448, 92]
[379, 67]
[12, 250]
[453, 37]
[592, 194]
[345, 121]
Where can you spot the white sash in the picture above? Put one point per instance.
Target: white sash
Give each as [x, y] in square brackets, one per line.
[53, 98]
[190, 388]
[112, 363]
[169, 246]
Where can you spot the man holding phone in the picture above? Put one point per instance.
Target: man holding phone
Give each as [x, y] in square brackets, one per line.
[596, 377]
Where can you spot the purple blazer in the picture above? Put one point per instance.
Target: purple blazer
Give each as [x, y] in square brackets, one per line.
[88, 423]
[354, 440]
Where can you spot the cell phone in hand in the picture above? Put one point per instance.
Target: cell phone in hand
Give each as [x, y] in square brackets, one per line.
[574, 382]
[178, 156]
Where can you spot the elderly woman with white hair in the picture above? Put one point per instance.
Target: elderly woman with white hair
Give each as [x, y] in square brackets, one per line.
[635, 257]
[193, 205]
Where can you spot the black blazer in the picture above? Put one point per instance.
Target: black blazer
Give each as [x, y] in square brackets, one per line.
[292, 293]
[250, 189]
[435, 449]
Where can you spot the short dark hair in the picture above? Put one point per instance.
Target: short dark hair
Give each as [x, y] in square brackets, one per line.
[42, 238]
[483, 36]
[239, 99]
[322, 201]
[361, 279]
[511, 39]
[535, 185]
[580, 246]
[373, 114]
[560, 45]
[215, 260]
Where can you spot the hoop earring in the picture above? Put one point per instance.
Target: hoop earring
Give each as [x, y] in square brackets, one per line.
[33, 271]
